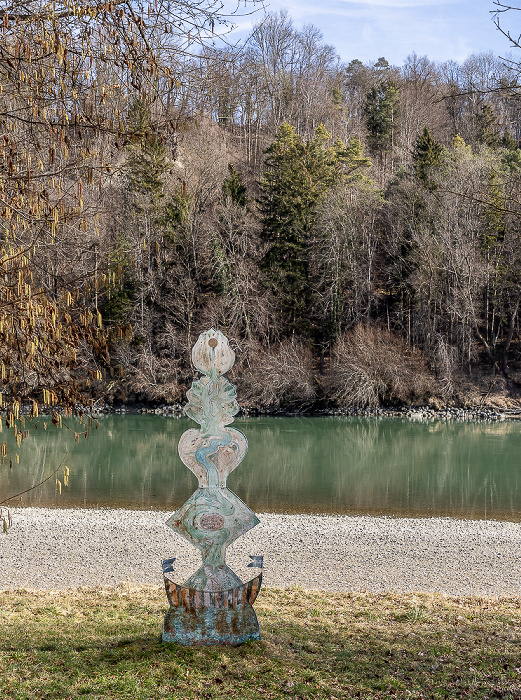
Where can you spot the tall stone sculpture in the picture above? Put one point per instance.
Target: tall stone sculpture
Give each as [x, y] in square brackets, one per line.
[213, 606]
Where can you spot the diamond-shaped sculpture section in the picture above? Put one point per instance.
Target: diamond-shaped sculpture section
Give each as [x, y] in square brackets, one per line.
[213, 606]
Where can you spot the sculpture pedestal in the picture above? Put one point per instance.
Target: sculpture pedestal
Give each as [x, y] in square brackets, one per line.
[199, 618]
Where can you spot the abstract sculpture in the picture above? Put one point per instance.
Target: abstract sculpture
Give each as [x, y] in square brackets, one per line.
[213, 606]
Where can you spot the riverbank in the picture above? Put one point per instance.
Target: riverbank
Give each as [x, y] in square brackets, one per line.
[421, 413]
[495, 409]
[52, 549]
[499, 410]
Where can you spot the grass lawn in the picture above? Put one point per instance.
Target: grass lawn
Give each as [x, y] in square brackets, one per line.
[102, 643]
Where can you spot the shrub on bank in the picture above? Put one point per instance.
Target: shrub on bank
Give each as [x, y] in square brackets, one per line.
[279, 377]
[371, 365]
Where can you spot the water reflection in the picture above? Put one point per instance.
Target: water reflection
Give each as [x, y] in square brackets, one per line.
[321, 465]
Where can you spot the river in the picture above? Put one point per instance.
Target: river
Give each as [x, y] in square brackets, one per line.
[326, 465]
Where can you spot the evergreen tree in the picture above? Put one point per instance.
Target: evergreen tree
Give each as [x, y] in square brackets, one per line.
[426, 156]
[298, 175]
[289, 191]
[381, 67]
[494, 213]
[509, 142]
[353, 160]
[234, 193]
[487, 128]
[511, 158]
[381, 108]
[234, 187]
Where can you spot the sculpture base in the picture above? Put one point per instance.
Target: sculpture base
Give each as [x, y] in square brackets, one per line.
[201, 618]
[208, 626]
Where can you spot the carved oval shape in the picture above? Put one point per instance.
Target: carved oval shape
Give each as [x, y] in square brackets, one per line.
[212, 350]
[212, 521]
[223, 459]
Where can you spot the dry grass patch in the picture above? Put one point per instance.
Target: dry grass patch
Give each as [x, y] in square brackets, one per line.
[106, 644]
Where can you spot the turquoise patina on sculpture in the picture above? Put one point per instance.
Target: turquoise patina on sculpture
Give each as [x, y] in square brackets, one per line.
[213, 606]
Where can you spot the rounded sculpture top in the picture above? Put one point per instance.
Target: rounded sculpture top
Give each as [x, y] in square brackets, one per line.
[212, 352]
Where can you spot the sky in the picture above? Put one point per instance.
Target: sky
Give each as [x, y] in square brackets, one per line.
[440, 29]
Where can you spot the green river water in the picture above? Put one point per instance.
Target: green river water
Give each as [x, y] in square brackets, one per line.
[305, 465]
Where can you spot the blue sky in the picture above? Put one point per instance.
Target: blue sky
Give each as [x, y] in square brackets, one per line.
[440, 29]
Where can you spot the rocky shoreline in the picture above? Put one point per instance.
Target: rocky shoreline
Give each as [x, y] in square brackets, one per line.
[51, 549]
[510, 410]
[478, 413]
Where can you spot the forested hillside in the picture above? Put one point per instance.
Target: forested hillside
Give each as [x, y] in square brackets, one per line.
[353, 228]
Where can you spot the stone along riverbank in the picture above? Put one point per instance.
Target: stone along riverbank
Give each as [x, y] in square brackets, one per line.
[446, 413]
[54, 549]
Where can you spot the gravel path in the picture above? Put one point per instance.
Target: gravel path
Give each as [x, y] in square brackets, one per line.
[53, 549]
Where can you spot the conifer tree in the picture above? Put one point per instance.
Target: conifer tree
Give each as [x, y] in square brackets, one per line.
[354, 162]
[298, 175]
[234, 187]
[487, 127]
[427, 155]
[381, 108]
[509, 142]
[234, 196]
[288, 195]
